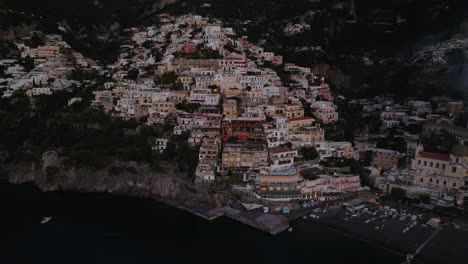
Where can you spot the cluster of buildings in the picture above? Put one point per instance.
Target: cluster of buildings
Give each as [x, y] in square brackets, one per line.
[437, 54]
[41, 70]
[435, 174]
[244, 120]
[223, 94]
[440, 110]
[416, 171]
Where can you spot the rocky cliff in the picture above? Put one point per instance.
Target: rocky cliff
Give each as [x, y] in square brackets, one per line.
[129, 178]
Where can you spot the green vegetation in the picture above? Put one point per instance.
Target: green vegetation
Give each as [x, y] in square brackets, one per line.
[225, 182]
[91, 46]
[188, 107]
[450, 212]
[424, 198]
[355, 166]
[186, 157]
[27, 62]
[282, 74]
[51, 173]
[36, 40]
[398, 194]
[82, 136]
[439, 142]
[166, 78]
[351, 120]
[307, 110]
[308, 153]
[133, 74]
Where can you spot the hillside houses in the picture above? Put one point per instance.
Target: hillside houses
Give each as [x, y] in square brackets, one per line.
[192, 79]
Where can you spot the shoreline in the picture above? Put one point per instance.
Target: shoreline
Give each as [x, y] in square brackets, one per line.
[330, 223]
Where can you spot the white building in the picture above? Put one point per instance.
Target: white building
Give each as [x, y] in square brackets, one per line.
[324, 111]
[204, 97]
[160, 144]
[282, 158]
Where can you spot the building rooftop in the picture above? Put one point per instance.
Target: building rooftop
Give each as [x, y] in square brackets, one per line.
[301, 118]
[279, 150]
[432, 155]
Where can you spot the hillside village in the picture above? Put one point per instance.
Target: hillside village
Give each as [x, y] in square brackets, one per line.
[261, 124]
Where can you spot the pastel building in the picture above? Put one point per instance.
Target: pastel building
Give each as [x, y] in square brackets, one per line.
[324, 111]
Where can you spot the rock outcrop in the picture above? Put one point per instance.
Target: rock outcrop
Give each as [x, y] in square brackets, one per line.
[22, 172]
[126, 178]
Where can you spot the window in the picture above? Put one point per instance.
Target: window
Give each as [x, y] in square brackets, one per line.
[445, 182]
[454, 169]
[432, 164]
[443, 166]
[437, 165]
[425, 163]
[437, 181]
[430, 179]
[454, 184]
[422, 180]
[458, 160]
[419, 162]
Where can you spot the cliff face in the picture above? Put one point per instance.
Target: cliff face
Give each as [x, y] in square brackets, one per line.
[127, 178]
[22, 172]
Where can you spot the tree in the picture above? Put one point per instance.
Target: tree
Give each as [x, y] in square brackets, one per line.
[398, 194]
[178, 85]
[36, 40]
[308, 153]
[424, 198]
[450, 212]
[27, 63]
[170, 151]
[188, 107]
[169, 77]
[51, 173]
[133, 74]
[148, 44]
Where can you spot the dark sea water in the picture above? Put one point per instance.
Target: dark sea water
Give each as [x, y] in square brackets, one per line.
[99, 228]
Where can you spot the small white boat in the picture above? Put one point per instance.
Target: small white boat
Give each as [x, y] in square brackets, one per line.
[45, 220]
[290, 229]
